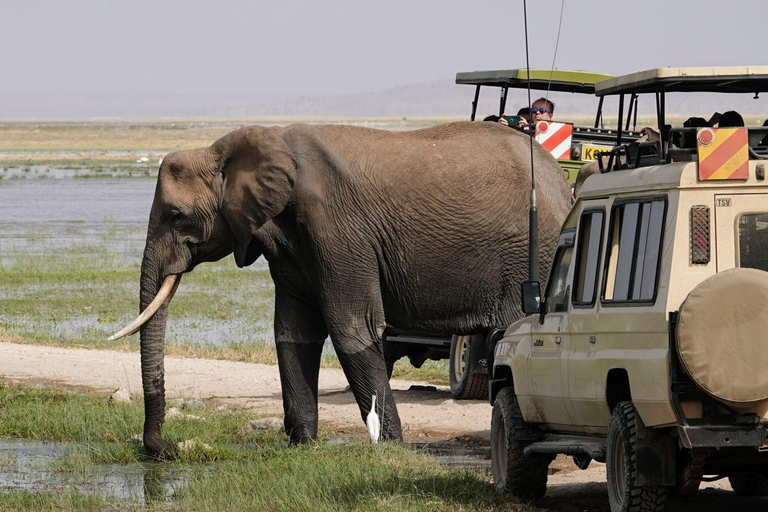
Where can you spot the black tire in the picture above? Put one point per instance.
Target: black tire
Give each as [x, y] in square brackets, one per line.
[466, 385]
[750, 484]
[514, 473]
[621, 466]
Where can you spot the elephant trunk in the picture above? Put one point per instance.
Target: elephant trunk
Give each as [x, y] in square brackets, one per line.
[152, 355]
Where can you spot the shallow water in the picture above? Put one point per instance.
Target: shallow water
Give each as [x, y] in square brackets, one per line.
[457, 455]
[38, 216]
[31, 465]
[68, 221]
[106, 170]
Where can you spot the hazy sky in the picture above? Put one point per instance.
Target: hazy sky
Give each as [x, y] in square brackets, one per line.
[325, 47]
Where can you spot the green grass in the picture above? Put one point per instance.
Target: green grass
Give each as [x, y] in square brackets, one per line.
[55, 501]
[237, 470]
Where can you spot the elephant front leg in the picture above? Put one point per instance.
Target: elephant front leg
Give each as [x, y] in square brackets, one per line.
[299, 335]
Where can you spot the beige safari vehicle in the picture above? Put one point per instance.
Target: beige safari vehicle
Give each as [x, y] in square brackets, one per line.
[649, 347]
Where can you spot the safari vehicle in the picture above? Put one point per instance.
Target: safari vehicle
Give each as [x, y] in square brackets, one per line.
[647, 350]
[571, 145]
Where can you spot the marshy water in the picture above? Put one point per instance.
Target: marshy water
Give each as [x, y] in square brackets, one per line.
[33, 465]
[65, 237]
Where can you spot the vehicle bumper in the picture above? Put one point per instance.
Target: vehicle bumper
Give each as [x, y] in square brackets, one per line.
[723, 436]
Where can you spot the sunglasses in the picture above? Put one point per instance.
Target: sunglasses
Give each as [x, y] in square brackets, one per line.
[538, 110]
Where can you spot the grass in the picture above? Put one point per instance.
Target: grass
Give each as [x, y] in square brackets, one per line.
[55, 501]
[233, 469]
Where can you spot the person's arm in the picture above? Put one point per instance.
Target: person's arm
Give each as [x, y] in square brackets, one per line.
[649, 133]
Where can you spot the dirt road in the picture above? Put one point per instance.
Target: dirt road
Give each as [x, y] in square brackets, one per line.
[426, 412]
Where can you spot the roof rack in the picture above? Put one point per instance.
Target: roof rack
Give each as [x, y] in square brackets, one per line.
[730, 79]
[541, 79]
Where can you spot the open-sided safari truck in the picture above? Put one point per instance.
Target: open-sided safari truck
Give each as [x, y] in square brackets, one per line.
[571, 145]
[647, 349]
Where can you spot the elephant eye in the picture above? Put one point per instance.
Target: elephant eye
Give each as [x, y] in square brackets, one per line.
[176, 217]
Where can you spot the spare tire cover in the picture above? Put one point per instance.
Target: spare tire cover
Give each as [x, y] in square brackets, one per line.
[722, 336]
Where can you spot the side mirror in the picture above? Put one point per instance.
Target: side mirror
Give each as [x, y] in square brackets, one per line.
[531, 297]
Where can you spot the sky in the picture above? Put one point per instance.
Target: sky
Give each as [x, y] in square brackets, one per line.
[332, 47]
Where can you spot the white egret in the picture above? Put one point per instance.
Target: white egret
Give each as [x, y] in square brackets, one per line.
[372, 422]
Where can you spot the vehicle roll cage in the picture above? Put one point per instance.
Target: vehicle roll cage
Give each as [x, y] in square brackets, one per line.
[745, 79]
[582, 82]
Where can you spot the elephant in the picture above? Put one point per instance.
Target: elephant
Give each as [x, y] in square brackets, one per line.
[426, 230]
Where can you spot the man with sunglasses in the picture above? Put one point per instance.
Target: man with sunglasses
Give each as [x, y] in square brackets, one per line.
[542, 110]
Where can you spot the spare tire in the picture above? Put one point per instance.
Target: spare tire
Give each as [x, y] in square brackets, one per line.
[722, 336]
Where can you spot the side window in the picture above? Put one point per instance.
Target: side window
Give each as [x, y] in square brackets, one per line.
[588, 257]
[557, 292]
[634, 249]
[753, 241]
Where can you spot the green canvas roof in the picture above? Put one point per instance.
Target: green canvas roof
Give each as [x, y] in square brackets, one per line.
[731, 79]
[541, 79]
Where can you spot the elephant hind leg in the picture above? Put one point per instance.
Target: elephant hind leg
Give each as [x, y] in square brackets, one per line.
[356, 334]
[367, 375]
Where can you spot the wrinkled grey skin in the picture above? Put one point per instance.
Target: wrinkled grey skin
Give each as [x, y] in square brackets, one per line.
[424, 230]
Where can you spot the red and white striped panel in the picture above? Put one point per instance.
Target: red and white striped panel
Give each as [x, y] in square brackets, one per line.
[556, 138]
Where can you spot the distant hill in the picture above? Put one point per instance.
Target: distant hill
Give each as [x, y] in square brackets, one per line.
[434, 99]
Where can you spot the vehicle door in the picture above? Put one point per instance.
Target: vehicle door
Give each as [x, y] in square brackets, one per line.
[549, 338]
[583, 400]
[741, 231]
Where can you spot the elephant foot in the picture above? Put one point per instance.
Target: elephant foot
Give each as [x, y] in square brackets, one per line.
[301, 434]
[392, 434]
[158, 448]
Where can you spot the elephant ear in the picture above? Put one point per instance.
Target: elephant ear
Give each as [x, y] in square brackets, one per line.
[259, 173]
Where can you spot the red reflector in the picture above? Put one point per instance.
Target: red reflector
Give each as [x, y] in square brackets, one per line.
[706, 136]
[543, 126]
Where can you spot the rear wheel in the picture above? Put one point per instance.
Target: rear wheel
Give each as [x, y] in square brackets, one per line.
[621, 466]
[466, 385]
[750, 484]
[514, 473]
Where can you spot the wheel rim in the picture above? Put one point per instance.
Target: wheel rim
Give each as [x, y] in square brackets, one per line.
[500, 444]
[619, 477]
[459, 358]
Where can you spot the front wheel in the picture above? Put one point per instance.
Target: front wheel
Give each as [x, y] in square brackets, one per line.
[523, 477]
[621, 466]
[466, 385]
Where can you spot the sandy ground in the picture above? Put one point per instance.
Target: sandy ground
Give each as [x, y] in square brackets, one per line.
[427, 412]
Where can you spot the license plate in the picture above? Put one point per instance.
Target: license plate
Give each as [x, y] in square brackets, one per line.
[588, 152]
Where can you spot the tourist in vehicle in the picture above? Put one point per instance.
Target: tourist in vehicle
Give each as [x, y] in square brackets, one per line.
[688, 140]
[525, 113]
[542, 110]
[731, 119]
[649, 134]
[525, 117]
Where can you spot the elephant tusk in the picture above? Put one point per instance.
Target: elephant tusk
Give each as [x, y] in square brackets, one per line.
[166, 293]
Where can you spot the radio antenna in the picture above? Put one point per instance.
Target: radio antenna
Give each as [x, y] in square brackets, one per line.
[533, 214]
